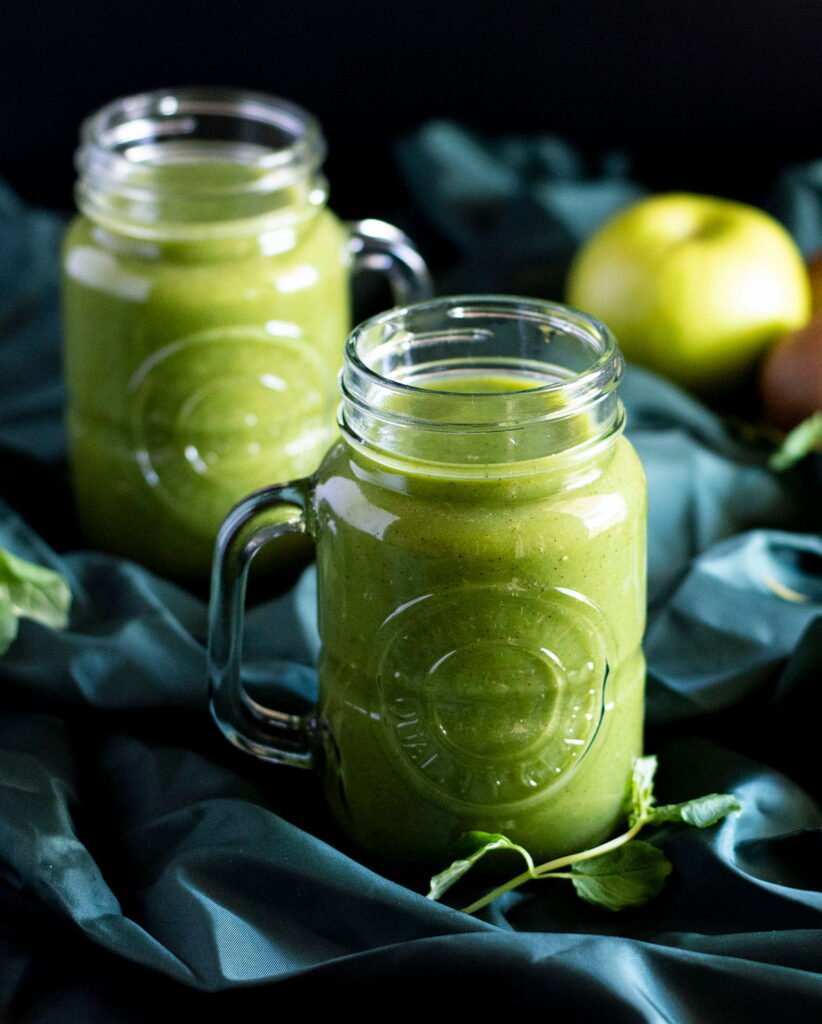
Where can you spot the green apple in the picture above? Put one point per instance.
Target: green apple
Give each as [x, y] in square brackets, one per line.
[695, 287]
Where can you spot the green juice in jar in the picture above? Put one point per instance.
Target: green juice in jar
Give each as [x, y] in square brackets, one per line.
[480, 532]
[197, 373]
[206, 304]
[468, 661]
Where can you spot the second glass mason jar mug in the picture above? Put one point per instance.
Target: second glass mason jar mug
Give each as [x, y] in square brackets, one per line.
[206, 305]
[480, 534]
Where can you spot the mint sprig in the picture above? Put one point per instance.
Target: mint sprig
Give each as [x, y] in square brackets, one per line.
[29, 591]
[622, 872]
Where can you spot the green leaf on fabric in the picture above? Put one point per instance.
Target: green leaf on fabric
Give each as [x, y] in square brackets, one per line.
[8, 622]
[642, 788]
[701, 812]
[802, 440]
[471, 847]
[626, 877]
[32, 592]
[621, 872]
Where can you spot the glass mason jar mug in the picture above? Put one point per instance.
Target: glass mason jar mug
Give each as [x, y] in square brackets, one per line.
[206, 306]
[480, 535]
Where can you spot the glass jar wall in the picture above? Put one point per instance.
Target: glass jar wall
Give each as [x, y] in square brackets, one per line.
[206, 303]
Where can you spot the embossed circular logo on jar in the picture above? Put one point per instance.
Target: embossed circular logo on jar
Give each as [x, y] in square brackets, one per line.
[222, 412]
[492, 694]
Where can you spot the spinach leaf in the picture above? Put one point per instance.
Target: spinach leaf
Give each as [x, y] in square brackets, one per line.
[8, 622]
[802, 440]
[32, 592]
[642, 788]
[471, 847]
[626, 877]
[702, 812]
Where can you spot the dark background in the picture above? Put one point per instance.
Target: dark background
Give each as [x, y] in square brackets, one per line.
[711, 96]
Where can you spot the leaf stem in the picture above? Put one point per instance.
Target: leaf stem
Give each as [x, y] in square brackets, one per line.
[548, 869]
[526, 876]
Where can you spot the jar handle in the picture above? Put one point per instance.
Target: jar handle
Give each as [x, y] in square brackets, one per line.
[271, 735]
[377, 245]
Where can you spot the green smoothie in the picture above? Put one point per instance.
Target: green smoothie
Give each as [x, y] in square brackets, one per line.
[481, 664]
[198, 370]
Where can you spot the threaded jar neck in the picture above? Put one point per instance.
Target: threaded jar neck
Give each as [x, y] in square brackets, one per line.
[490, 384]
[199, 162]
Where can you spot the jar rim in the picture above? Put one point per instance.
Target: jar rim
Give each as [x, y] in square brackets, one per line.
[558, 372]
[138, 155]
[463, 307]
[118, 126]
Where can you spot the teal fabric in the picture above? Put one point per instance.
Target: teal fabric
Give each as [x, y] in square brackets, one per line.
[148, 870]
[515, 208]
[797, 200]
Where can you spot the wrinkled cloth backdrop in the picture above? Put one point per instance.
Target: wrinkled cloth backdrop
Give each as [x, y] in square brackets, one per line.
[147, 869]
